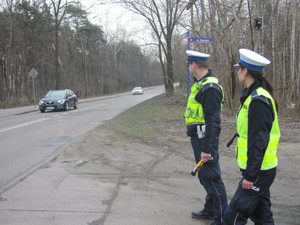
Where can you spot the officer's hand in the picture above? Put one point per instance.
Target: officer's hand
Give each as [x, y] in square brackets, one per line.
[205, 156]
[247, 184]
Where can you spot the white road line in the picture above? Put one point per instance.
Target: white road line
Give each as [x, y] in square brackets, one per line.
[23, 124]
[44, 119]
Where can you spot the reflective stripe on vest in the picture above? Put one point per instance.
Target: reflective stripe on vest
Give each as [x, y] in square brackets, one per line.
[194, 111]
[270, 158]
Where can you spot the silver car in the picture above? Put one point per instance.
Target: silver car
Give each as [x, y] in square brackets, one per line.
[137, 91]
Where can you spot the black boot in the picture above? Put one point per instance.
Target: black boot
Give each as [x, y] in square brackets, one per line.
[202, 215]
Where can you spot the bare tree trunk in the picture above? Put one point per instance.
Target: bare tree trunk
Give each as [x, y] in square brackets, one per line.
[283, 76]
[162, 64]
[59, 13]
[84, 66]
[169, 86]
[57, 77]
[250, 24]
[234, 48]
[274, 22]
[292, 52]
[10, 54]
[297, 37]
[298, 72]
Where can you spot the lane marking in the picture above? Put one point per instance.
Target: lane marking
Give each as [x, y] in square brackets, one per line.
[44, 119]
[23, 124]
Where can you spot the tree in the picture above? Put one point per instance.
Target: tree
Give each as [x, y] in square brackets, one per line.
[83, 29]
[231, 25]
[163, 17]
[59, 10]
[82, 55]
[220, 19]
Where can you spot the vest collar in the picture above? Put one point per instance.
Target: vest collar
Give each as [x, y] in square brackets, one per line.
[209, 74]
[247, 91]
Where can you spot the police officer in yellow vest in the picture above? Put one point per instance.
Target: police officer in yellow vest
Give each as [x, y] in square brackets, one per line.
[258, 137]
[202, 119]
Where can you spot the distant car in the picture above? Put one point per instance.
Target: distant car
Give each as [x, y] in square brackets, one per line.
[137, 91]
[58, 100]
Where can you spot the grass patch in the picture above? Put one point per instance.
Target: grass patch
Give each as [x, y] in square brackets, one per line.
[150, 120]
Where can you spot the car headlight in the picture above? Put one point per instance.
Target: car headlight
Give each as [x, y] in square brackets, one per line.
[61, 101]
[41, 102]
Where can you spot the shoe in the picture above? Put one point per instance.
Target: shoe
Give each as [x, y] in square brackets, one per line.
[214, 223]
[202, 215]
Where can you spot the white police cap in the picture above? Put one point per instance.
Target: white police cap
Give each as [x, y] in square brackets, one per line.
[252, 60]
[197, 56]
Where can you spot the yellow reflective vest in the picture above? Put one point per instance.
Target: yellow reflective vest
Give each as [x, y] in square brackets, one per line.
[270, 158]
[194, 111]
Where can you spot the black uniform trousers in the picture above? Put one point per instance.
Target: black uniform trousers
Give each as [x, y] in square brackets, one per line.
[253, 204]
[210, 177]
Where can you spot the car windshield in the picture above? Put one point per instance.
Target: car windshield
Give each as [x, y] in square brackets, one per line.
[137, 88]
[56, 94]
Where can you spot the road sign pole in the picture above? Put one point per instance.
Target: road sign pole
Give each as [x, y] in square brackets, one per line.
[188, 70]
[33, 73]
[33, 85]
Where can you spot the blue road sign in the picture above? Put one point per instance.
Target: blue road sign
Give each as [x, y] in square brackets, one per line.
[201, 40]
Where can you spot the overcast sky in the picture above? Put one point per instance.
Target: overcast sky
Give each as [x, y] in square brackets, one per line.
[111, 17]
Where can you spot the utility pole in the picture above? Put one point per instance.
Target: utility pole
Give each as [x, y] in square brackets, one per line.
[192, 18]
[190, 7]
[258, 25]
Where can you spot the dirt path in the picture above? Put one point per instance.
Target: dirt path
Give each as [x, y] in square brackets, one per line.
[153, 176]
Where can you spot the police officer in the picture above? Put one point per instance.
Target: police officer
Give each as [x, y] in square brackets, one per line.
[258, 137]
[202, 119]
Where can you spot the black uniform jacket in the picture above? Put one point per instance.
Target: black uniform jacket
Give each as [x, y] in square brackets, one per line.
[260, 119]
[210, 99]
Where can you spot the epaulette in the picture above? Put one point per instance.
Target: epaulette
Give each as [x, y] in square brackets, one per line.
[210, 85]
[255, 96]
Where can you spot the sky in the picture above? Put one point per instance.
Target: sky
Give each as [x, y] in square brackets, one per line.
[112, 17]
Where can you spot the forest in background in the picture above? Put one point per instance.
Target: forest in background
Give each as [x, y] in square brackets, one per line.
[67, 50]
[56, 38]
[232, 25]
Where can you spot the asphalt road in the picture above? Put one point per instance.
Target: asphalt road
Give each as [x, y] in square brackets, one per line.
[29, 138]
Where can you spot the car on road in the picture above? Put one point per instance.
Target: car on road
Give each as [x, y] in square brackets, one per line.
[137, 91]
[58, 100]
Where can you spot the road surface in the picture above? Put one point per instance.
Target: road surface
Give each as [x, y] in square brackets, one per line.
[30, 138]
